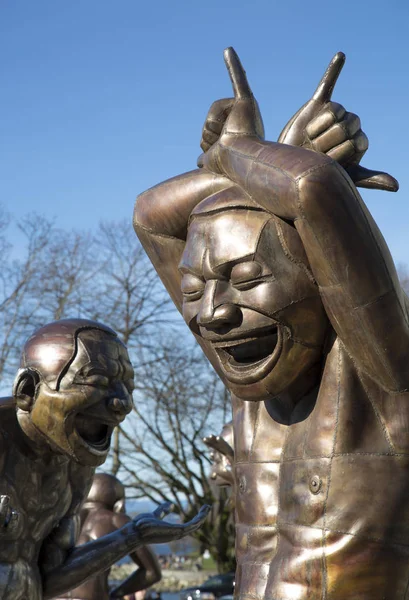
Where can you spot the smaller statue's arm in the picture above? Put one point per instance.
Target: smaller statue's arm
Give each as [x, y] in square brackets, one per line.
[86, 561]
[147, 574]
[99, 555]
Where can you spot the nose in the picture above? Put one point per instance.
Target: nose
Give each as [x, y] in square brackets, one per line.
[121, 403]
[225, 314]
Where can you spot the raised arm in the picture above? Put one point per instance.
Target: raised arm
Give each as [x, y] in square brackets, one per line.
[347, 254]
[161, 218]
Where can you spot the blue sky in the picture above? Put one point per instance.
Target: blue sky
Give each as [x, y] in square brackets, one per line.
[102, 99]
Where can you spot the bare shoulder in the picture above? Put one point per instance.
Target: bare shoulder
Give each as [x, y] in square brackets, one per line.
[102, 522]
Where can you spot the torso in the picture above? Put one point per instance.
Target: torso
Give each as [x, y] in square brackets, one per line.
[321, 504]
[42, 494]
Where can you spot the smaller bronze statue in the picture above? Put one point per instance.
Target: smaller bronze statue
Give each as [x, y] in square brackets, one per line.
[103, 513]
[222, 455]
[74, 386]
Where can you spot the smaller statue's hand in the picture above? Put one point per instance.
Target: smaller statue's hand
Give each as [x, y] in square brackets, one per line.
[150, 528]
[325, 126]
[8, 516]
[219, 444]
[231, 117]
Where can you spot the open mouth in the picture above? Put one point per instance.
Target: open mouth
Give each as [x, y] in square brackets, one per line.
[250, 359]
[94, 433]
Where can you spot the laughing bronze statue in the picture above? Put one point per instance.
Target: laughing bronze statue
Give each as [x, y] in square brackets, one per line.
[74, 386]
[102, 513]
[288, 285]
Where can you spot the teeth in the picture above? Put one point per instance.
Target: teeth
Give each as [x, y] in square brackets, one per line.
[252, 350]
[234, 344]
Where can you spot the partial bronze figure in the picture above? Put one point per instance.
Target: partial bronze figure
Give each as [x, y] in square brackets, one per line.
[283, 276]
[74, 386]
[222, 455]
[103, 513]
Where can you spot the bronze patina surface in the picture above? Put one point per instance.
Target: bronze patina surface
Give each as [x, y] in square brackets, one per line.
[222, 456]
[74, 386]
[284, 278]
[103, 513]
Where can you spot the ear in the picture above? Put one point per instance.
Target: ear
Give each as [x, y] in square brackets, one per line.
[24, 388]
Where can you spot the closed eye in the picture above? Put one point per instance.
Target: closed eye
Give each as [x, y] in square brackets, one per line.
[250, 283]
[96, 381]
[189, 296]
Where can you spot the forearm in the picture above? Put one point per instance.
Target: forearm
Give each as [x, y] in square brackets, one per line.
[347, 254]
[87, 561]
[356, 275]
[262, 170]
[165, 208]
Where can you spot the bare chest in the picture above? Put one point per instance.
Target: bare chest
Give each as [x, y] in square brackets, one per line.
[40, 491]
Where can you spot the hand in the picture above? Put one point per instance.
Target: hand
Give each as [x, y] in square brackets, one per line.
[325, 126]
[152, 530]
[231, 116]
[214, 123]
[219, 444]
[8, 517]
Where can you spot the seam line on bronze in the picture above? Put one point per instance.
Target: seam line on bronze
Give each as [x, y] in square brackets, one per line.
[378, 414]
[256, 425]
[355, 535]
[360, 204]
[160, 235]
[279, 489]
[374, 301]
[257, 160]
[334, 441]
[313, 169]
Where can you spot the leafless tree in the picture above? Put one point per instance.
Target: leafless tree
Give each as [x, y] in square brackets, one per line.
[178, 401]
[106, 276]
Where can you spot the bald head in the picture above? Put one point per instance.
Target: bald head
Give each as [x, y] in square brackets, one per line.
[52, 348]
[107, 490]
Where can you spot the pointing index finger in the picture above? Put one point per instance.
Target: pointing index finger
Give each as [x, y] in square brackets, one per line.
[329, 79]
[237, 74]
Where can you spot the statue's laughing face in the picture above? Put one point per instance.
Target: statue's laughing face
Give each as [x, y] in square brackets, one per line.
[247, 297]
[74, 409]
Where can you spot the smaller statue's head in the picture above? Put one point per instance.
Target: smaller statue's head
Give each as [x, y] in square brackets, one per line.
[249, 293]
[74, 386]
[108, 491]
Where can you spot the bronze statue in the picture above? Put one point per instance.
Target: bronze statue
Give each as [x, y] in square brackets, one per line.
[283, 276]
[74, 386]
[222, 455]
[104, 512]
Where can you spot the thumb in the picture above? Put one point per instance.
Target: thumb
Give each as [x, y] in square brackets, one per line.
[375, 180]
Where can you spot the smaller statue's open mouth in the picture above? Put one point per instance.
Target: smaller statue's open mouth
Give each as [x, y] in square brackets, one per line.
[249, 359]
[93, 432]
